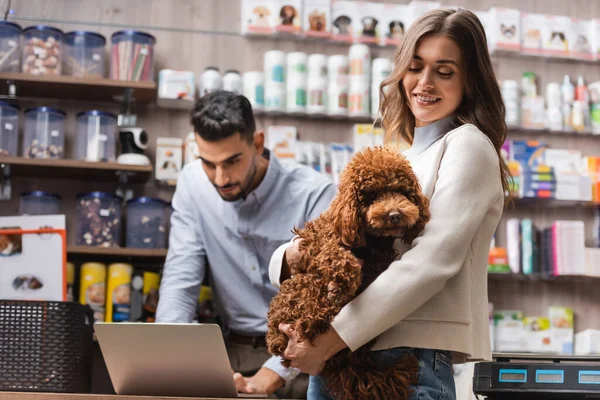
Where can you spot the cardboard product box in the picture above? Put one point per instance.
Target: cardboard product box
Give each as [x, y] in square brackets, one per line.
[367, 27]
[555, 36]
[394, 23]
[317, 18]
[562, 323]
[504, 29]
[587, 342]
[532, 27]
[281, 140]
[33, 265]
[169, 159]
[538, 334]
[289, 16]
[416, 8]
[580, 40]
[344, 16]
[508, 331]
[259, 17]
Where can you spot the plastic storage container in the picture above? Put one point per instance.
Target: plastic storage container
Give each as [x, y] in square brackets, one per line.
[42, 50]
[147, 220]
[39, 203]
[98, 219]
[132, 56]
[44, 133]
[84, 54]
[9, 129]
[96, 136]
[10, 46]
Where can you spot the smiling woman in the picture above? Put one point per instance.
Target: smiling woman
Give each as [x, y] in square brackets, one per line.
[433, 84]
[431, 303]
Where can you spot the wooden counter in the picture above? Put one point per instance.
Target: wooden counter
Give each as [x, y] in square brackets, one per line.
[60, 396]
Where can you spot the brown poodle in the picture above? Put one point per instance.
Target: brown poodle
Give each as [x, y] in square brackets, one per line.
[379, 199]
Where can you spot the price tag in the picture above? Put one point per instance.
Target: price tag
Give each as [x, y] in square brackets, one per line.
[12, 43]
[8, 126]
[102, 137]
[144, 51]
[104, 213]
[96, 57]
[55, 133]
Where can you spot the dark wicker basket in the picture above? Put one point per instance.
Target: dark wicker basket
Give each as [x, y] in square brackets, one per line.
[45, 346]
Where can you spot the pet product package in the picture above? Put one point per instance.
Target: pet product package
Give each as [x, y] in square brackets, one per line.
[394, 23]
[177, 87]
[118, 292]
[538, 334]
[259, 17]
[317, 18]
[587, 342]
[562, 322]
[289, 16]
[344, 14]
[555, 36]
[191, 149]
[363, 136]
[416, 8]
[281, 140]
[144, 296]
[508, 331]
[532, 27]
[169, 158]
[580, 40]
[367, 26]
[595, 38]
[33, 265]
[504, 29]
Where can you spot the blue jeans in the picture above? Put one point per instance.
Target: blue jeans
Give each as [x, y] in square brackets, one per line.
[436, 381]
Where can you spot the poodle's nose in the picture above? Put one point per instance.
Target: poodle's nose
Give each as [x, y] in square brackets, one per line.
[395, 217]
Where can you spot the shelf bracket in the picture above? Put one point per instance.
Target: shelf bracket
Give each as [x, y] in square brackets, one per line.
[5, 185]
[124, 190]
[126, 118]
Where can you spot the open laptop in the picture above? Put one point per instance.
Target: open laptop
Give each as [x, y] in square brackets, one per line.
[180, 360]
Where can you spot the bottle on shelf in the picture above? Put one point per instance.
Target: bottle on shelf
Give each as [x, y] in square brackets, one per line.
[568, 94]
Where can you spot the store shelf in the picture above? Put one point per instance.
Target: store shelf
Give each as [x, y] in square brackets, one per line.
[510, 277]
[116, 253]
[541, 202]
[546, 132]
[74, 169]
[67, 87]
[314, 117]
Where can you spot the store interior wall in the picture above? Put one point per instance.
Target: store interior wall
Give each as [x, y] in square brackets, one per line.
[194, 34]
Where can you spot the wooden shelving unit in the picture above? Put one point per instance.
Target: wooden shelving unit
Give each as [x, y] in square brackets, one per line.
[511, 277]
[67, 87]
[116, 253]
[74, 169]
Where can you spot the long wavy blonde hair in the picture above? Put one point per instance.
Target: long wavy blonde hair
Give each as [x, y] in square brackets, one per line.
[482, 103]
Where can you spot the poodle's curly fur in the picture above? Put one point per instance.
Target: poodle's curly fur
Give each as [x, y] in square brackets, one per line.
[379, 200]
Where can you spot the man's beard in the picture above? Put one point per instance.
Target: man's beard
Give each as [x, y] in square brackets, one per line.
[245, 187]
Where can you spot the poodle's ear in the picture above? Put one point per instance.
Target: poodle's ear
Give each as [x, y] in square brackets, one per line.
[346, 218]
[423, 203]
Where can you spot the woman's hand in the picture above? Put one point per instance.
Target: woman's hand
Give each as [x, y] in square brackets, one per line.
[306, 357]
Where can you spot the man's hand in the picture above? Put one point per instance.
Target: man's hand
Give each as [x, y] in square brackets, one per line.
[264, 381]
[291, 260]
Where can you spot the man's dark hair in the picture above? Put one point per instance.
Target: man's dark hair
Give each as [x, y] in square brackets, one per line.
[218, 115]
